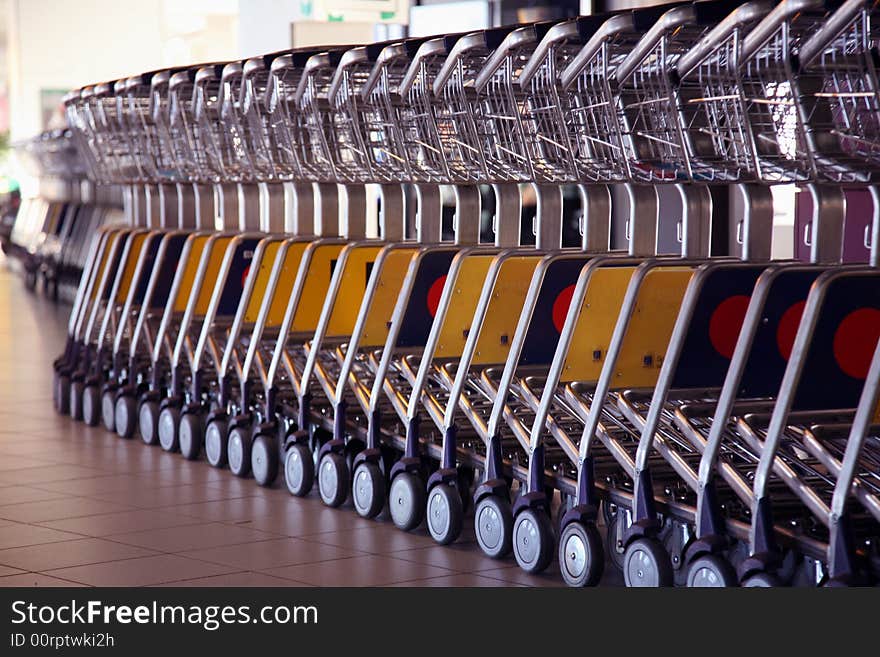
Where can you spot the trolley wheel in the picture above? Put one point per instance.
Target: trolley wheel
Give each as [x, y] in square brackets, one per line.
[493, 525]
[612, 545]
[333, 479]
[169, 418]
[646, 564]
[299, 469]
[368, 490]
[108, 410]
[76, 393]
[91, 405]
[406, 500]
[148, 422]
[710, 570]
[762, 580]
[215, 443]
[533, 540]
[581, 556]
[189, 436]
[63, 394]
[125, 416]
[444, 513]
[238, 451]
[264, 459]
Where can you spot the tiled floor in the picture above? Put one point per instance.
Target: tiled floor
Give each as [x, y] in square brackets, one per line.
[81, 507]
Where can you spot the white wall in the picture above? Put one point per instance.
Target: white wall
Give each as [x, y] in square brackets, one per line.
[64, 44]
[264, 26]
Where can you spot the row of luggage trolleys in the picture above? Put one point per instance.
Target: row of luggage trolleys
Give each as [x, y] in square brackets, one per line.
[716, 415]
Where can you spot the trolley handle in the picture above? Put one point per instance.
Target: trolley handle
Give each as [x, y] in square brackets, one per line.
[519, 38]
[831, 29]
[671, 20]
[326, 59]
[402, 50]
[784, 11]
[486, 39]
[351, 59]
[619, 24]
[158, 87]
[437, 47]
[746, 14]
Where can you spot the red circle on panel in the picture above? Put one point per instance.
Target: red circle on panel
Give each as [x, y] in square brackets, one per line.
[788, 327]
[434, 294]
[247, 270]
[726, 323]
[560, 307]
[855, 341]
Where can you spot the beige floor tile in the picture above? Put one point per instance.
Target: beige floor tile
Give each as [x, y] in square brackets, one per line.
[371, 570]
[30, 580]
[123, 522]
[50, 556]
[68, 507]
[16, 534]
[140, 572]
[271, 554]
[244, 579]
[193, 537]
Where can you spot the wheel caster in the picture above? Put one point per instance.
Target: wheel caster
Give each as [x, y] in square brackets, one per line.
[108, 411]
[710, 570]
[406, 501]
[762, 580]
[189, 436]
[148, 422]
[299, 469]
[444, 513]
[581, 556]
[91, 405]
[646, 564]
[64, 395]
[493, 525]
[168, 421]
[368, 490]
[238, 451]
[76, 393]
[264, 459]
[533, 540]
[215, 443]
[333, 479]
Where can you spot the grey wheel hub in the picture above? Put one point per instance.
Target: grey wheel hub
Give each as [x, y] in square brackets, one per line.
[328, 479]
[121, 415]
[706, 576]
[108, 410]
[259, 460]
[166, 429]
[490, 526]
[526, 539]
[438, 512]
[363, 489]
[293, 469]
[575, 555]
[641, 569]
[235, 451]
[212, 443]
[401, 501]
[146, 421]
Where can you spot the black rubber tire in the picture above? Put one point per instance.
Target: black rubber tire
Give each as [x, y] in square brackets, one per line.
[444, 513]
[169, 421]
[611, 543]
[533, 541]
[299, 469]
[406, 501]
[710, 571]
[125, 416]
[215, 443]
[189, 436]
[368, 490]
[334, 480]
[646, 563]
[264, 459]
[91, 405]
[76, 392]
[581, 554]
[493, 525]
[108, 410]
[148, 422]
[63, 394]
[238, 451]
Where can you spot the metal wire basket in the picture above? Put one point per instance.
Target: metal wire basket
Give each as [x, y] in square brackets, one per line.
[318, 137]
[259, 144]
